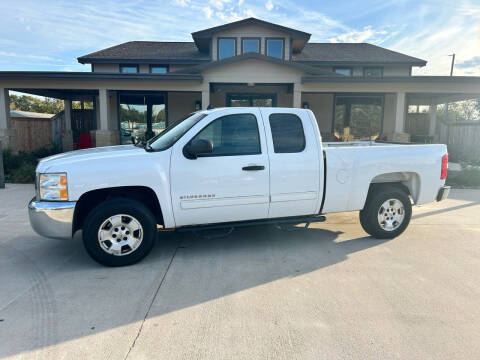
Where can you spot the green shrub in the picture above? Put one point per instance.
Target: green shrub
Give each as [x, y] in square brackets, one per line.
[20, 167]
[467, 178]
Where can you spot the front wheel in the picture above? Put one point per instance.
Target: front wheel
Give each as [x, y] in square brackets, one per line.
[387, 212]
[119, 232]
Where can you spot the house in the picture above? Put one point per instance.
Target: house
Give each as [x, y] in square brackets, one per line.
[357, 91]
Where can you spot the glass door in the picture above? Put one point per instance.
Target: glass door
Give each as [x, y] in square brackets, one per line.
[141, 116]
[257, 100]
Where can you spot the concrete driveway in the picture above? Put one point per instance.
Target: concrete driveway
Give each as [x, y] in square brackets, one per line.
[329, 292]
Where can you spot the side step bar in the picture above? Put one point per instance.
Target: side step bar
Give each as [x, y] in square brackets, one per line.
[286, 220]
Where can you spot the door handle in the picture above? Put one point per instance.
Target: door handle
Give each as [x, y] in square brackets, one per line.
[253, 168]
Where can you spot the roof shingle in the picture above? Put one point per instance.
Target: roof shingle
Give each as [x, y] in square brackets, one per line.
[353, 53]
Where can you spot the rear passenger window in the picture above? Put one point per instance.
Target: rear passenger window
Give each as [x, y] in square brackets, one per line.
[287, 133]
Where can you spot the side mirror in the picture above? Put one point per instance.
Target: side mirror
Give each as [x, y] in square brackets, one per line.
[197, 148]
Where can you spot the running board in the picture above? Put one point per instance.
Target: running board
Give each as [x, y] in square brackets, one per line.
[287, 220]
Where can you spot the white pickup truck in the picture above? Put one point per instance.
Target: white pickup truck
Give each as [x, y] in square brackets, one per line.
[225, 168]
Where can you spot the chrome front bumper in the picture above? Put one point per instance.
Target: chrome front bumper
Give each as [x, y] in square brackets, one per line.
[52, 219]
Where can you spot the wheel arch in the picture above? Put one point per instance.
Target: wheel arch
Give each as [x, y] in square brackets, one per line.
[409, 182]
[91, 199]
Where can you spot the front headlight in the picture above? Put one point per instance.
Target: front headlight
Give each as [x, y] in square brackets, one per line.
[53, 187]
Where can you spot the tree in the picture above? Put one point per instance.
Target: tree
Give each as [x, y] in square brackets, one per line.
[34, 104]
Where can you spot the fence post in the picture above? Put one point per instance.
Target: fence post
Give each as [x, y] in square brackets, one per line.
[2, 172]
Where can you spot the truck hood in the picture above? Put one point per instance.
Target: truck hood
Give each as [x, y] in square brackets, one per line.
[56, 162]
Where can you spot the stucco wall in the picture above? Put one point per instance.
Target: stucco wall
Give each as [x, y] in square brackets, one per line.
[396, 71]
[181, 104]
[250, 31]
[106, 68]
[322, 106]
[252, 70]
[389, 113]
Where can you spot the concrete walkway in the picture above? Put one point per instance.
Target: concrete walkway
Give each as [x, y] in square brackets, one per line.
[329, 292]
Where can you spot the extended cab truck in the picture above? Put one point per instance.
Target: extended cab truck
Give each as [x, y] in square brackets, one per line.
[228, 167]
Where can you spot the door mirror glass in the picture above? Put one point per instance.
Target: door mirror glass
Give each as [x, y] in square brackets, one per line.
[199, 147]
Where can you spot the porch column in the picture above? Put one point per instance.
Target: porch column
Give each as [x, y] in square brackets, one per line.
[206, 97]
[400, 113]
[8, 135]
[433, 119]
[67, 135]
[399, 125]
[297, 95]
[105, 135]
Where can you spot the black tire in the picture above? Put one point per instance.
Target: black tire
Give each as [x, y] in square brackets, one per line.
[110, 208]
[369, 215]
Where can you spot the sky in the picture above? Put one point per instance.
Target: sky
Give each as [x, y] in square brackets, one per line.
[50, 35]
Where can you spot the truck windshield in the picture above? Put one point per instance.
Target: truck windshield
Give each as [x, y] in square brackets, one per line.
[171, 134]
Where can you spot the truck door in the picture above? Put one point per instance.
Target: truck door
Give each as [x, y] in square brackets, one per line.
[231, 183]
[296, 166]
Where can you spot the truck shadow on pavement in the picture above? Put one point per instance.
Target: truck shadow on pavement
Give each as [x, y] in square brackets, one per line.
[80, 298]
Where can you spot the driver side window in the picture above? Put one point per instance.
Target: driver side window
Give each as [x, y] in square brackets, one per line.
[235, 134]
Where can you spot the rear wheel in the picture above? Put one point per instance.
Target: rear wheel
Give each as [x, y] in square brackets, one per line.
[387, 212]
[119, 232]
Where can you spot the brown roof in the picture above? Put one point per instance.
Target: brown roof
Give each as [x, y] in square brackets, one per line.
[148, 51]
[351, 53]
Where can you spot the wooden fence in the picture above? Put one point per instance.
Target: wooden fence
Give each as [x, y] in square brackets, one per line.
[462, 138]
[32, 133]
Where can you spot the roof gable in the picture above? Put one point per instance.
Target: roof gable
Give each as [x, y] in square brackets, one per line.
[202, 37]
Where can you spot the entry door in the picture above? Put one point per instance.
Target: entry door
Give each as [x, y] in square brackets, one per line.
[232, 183]
[256, 100]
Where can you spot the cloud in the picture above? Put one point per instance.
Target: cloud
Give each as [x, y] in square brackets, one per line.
[218, 4]
[208, 12]
[240, 2]
[28, 56]
[182, 3]
[356, 36]
[473, 62]
[269, 5]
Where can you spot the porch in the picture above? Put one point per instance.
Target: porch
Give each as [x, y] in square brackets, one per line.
[134, 107]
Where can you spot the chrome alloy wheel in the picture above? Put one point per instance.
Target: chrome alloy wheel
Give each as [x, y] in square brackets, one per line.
[391, 214]
[120, 235]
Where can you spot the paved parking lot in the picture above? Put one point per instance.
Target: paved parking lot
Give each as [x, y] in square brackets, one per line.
[329, 292]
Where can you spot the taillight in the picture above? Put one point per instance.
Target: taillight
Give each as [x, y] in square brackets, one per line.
[443, 174]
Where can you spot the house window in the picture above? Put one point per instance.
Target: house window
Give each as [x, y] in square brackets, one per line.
[226, 47]
[372, 71]
[230, 135]
[343, 71]
[129, 69]
[250, 45]
[358, 117]
[158, 69]
[275, 48]
[287, 133]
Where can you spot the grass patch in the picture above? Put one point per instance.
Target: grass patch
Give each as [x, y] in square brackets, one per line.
[467, 178]
[20, 167]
